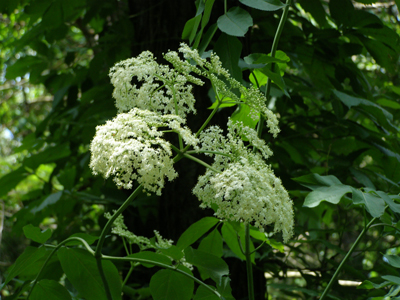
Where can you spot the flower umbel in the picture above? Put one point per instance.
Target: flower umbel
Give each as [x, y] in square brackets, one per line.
[246, 188]
[158, 88]
[130, 147]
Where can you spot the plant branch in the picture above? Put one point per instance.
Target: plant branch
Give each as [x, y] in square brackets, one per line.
[345, 258]
[172, 268]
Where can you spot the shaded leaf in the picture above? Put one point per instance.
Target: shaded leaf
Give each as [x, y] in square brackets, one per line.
[49, 289]
[393, 260]
[212, 243]
[208, 264]
[235, 22]
[373, 203]
[266, 5]
[151, 256]
[203, 293]
[196, 231]
[170, 285]
[36, 234]
[81, 270]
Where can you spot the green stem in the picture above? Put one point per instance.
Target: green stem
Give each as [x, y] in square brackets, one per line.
[345, 259]
[199, 161]
[172, 268]
[103, 278]
[106, 228]
[273, 52]
[249, 266]
[207, 151]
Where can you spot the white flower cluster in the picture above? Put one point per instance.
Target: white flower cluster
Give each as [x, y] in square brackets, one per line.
[246, 188]
[212, 69]
[157, 87]
[131, 147]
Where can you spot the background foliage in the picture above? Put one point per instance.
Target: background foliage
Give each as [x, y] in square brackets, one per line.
[338, 105]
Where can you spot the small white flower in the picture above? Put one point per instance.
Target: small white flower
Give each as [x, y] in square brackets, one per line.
[246, 188]
[130, 147]
[143, 83]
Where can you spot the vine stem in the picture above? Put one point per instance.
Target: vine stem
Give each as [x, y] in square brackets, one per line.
[345, 258]
[249, 266]
[120, 210]
[158, 264]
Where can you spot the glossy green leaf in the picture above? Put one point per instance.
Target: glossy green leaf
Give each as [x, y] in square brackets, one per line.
[266, 5]
[212, 243]
[235, 22]
[49, 289]
[36, 234]
[208, 264]
[190, 29]
[196, 231]
[331, 194]
[171, 285]
[81, 270]
[203, 293]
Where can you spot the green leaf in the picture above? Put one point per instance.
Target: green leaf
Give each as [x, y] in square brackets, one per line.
[224, 288]
[24, 262]
[90, 239]
[243, 114]
[50, 200]
[315, 8]
[388, 103]
[203, 293]
[190, 29]
[263, 237]
[314, 181]
[196, 231]
[208, 264]
[229, 48]
[22, 66]
[368, 285]
[81, 270]
[393, 260]
[151, 256]
[331, 194]
[392, 279]
[11, 180]
[373, 203]
[266, 5]
[235, 22]
[170, 285]
[173, 252]
[395, 207]
[36, 234]
[50, 289]
[212, 243]
[231, 239]
[49, 155]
